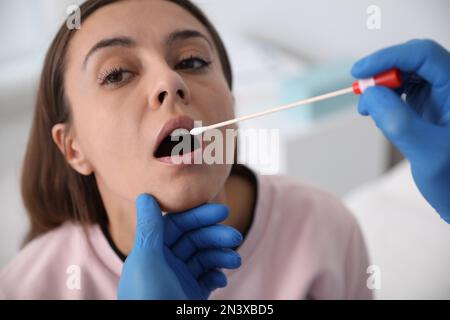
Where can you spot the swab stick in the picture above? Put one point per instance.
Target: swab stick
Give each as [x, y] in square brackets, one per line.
[390, 78]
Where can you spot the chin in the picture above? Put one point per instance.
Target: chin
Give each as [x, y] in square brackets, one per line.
[184, 199]
[188, 193]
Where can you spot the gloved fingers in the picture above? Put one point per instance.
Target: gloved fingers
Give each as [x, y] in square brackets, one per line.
[176, 224]
[150, 224]
[217, 236]
[206, 260]
[212, 280]
[424, 57]
[400, 124]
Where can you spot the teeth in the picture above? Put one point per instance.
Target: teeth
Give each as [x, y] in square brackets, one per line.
[179, 132]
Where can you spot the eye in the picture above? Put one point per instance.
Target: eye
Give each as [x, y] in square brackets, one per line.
[115, 77]
[193, 63]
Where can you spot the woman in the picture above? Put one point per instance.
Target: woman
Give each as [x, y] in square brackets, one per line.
[109, 95]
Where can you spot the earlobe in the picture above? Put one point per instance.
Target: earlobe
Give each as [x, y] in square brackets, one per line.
[70, 149]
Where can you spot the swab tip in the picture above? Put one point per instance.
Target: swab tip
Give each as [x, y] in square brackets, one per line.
[197, 130]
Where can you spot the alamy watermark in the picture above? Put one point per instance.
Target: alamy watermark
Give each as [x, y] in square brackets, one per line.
[73, 20]
[373, 21]
[73, 280]
[257, 146]
[374, 280]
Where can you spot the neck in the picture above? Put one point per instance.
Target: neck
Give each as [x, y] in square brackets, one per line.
[238, 194]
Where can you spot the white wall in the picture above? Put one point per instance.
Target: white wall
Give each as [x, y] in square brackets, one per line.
[322, 30]
[28, 26]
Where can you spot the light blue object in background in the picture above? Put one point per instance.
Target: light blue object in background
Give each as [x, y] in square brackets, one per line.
[316, 81]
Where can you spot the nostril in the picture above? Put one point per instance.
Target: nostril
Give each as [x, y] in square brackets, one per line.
[162, 96]
[181, 94]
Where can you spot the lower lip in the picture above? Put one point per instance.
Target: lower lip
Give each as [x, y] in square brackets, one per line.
[182, 161]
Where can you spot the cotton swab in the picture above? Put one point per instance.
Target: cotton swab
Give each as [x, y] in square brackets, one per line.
[391, 78]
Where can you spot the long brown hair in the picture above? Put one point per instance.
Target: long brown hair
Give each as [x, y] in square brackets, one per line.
[52, 191]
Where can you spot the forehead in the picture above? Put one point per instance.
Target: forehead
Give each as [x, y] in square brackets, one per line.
[147, 21]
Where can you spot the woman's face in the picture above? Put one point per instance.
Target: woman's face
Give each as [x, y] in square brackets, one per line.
[133, 66]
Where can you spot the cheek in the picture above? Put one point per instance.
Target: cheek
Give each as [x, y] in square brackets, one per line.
[215, 100]
[218, 105]
[110, 142]
[104, 135]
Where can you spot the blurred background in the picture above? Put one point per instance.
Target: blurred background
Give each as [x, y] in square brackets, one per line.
[281, 51]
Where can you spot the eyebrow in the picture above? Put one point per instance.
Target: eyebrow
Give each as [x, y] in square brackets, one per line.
[128, 42]
[110, 42]
[181, 35]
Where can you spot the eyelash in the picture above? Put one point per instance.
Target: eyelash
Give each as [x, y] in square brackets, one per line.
[204, 63]
[105, 77]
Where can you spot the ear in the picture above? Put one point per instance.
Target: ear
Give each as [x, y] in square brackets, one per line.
[70, 148]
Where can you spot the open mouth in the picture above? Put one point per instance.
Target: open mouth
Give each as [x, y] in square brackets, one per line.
[174, 139]
[177, 143]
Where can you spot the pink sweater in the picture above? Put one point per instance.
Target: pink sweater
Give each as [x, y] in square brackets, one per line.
[302, 244]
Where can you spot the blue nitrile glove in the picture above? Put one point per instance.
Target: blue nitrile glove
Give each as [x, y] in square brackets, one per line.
[194, 239]
[419, 127]
[178, 257]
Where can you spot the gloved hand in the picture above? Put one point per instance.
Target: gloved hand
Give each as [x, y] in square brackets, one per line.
[178, 256]
[420, 126]
[194, 240]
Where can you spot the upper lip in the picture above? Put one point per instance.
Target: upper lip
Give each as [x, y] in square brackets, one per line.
[183, 122]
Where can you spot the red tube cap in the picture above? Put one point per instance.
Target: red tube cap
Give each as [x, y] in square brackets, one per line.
[391, 79]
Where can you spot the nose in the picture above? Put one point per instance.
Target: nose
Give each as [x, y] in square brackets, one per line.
[169, 90]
